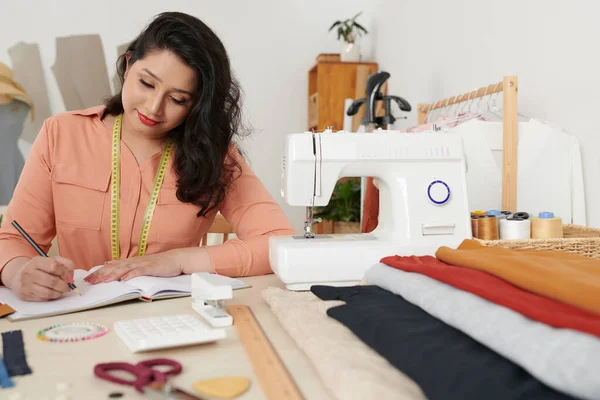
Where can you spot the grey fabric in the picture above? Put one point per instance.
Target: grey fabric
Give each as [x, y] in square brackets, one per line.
[12, 117]
[563, 359]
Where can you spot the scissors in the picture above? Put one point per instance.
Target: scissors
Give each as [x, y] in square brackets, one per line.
[144, 372]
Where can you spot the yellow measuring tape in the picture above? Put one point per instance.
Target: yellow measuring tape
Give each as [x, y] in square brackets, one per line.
[116, 191]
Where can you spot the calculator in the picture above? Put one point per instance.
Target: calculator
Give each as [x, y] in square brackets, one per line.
[154, 333]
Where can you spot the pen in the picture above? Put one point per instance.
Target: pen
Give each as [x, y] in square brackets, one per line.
[38, 249]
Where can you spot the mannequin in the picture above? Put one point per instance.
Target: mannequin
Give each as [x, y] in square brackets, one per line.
[15, 105]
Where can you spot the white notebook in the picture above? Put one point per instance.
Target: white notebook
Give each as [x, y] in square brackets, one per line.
[145, 288]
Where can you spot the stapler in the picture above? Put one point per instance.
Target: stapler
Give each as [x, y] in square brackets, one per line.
[209, 300]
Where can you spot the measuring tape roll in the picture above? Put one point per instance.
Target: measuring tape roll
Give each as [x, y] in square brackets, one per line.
[116, 192]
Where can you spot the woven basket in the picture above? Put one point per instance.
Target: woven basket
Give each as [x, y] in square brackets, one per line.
[577, 239]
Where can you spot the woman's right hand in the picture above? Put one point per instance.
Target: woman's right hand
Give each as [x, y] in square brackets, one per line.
[39, 278]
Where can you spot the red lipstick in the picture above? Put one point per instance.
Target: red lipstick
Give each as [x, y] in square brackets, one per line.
[145, 120]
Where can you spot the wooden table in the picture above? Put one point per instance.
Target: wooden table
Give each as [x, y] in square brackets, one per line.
[56, 364]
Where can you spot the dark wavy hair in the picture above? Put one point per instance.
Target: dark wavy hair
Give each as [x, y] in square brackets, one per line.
[203, 140]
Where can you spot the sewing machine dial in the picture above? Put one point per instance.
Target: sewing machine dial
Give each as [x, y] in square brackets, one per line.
[438, 192]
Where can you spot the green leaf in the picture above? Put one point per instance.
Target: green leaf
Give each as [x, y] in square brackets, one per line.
[346, 192]
[336, 23]
[344, 204]
[360, 27]
[347, 27]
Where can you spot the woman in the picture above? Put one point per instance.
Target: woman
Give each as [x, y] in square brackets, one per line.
[167, 139]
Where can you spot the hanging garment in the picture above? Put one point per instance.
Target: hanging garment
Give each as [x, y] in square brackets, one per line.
[501, 292]
[548, 161]
[347, 367]
[563, 359]
[444, 362]
[570, 278]
[547, 158]
[12, 118]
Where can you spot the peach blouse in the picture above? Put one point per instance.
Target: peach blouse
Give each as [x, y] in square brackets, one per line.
[64, 191]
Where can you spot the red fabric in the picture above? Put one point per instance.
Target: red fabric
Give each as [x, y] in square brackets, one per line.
[370, 214]
[499, 291]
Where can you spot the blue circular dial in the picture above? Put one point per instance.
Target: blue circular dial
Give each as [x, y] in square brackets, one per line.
[438, 192]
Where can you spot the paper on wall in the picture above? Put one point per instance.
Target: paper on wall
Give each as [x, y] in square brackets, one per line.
[27, 68]
[80, 71]
[121, 49]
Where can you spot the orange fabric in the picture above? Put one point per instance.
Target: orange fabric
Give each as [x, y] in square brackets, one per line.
[370, 214]
[570, 278]
[64, 191]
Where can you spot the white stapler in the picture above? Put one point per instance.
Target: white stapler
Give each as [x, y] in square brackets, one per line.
[209, 299]
[422, 201]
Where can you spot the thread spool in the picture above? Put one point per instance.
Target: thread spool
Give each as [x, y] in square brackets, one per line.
[546, 226]
[513, 228]
[478, 212]
[506, 213]
[487, 227]
[474, 229]
[497, 213]
[521, 214]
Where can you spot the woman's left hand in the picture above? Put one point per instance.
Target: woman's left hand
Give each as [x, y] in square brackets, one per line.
[161, 264]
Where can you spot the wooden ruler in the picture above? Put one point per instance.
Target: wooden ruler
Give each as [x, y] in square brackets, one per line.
[274, 378]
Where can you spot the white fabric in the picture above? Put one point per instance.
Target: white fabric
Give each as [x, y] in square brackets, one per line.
[548, 162]
[563, 359]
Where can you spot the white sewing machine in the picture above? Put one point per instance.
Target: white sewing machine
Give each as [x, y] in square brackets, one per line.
[422, 195]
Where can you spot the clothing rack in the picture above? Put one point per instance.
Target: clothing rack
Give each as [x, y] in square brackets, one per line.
[509, 89]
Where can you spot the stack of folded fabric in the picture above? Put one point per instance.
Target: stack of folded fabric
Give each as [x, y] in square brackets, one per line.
[482, 322]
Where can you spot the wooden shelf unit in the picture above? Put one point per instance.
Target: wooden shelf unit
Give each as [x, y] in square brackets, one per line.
[329, 85]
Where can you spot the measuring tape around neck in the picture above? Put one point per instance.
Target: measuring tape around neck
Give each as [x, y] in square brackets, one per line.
[116, 192]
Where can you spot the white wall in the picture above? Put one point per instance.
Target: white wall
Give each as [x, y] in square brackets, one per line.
[272, 45]
[434, 49]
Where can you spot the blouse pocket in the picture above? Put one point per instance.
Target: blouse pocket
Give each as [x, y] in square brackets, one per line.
[79, 195]
[175, 222]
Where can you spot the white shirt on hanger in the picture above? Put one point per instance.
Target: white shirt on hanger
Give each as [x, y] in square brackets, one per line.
[549, 170]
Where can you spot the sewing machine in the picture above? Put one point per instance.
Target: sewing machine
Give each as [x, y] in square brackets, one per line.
[422, 194]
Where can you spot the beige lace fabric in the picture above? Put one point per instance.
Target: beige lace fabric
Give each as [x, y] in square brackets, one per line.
[347, 367]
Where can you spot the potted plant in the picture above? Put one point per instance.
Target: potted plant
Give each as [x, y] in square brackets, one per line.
[343, 209]
[349, 30]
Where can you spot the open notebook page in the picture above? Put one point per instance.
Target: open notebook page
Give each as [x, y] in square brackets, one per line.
[107, 293]
[91, 296]
[152, 286]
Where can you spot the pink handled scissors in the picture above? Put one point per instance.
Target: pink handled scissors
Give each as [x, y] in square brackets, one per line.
[143, 371]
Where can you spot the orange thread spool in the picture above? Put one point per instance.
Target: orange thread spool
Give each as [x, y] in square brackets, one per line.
[487, 227]
[474, 226]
